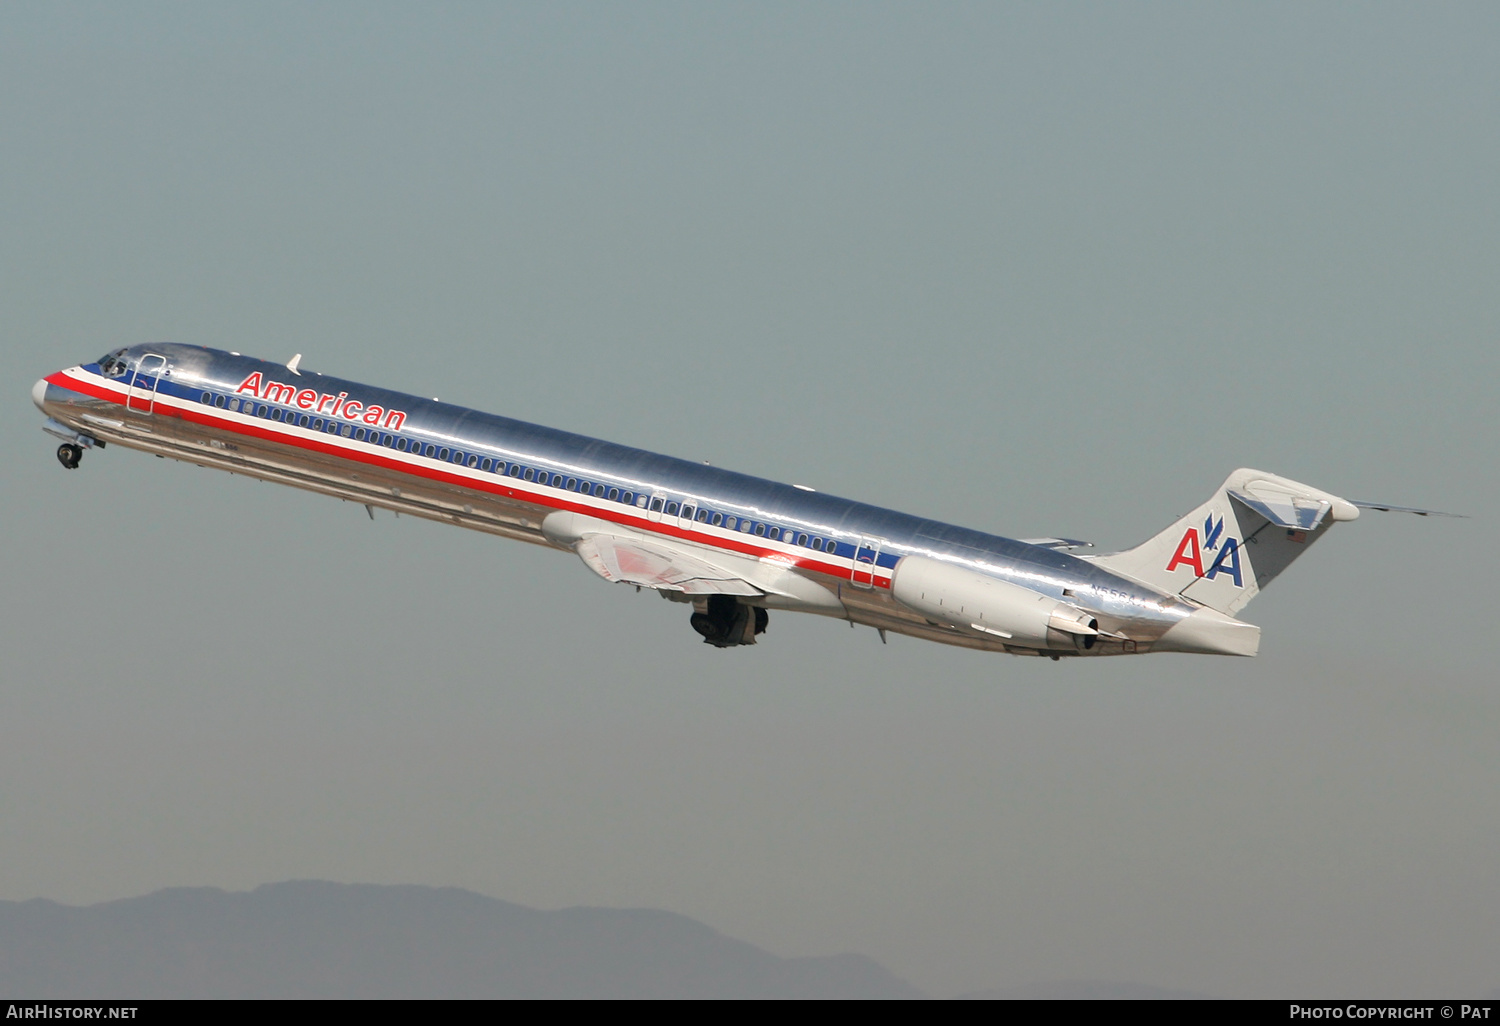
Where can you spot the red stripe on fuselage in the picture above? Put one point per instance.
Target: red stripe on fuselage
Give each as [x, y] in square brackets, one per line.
[204, 415]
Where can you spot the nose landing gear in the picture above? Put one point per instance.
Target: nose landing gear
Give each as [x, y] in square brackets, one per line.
[69, 455]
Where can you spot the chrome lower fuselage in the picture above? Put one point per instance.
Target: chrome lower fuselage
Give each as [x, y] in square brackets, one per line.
[488, 473]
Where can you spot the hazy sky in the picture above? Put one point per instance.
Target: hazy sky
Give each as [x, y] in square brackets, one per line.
[1034, 269]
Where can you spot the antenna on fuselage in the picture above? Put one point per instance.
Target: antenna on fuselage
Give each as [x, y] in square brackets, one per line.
[291, 364]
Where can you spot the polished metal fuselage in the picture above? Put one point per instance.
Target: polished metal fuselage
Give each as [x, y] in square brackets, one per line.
[193, 404]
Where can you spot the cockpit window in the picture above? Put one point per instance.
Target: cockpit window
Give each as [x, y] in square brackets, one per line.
[112, 365]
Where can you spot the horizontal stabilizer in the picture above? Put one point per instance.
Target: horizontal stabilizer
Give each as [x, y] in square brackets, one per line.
[1385, 507]
[1061, 544]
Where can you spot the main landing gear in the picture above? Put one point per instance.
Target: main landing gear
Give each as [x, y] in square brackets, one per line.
[725, 622]
[70, 455]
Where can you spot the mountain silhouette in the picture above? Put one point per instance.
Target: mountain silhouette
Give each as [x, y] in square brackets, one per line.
[313, 939]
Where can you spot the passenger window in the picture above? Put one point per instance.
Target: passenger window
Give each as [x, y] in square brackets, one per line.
[583, 486]
[219, 401]
[760, 530]
[703, 516]
[429, 451]
[530, 474]
[656, 505]
[234, 405]
[389, 441]
[614, 495]
[515, 471]
[640, 501]
[572, 484]
[262, 411]
[687, 512]
[206, 398]
[317, 424]
[348, 430]
[718, 519]
[486, 464]
[599, 490]
[801, 539]
[744, 525]
[671, 509]
[359, 434]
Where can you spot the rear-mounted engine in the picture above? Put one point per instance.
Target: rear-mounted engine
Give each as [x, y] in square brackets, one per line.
[971, 601]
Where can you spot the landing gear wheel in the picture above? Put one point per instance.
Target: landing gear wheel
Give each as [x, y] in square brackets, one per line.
[726, 623]
[69, 455]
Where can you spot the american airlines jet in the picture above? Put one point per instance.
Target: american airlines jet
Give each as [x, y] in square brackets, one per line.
[730, 545]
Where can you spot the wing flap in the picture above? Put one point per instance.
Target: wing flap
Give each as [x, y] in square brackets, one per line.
[639, 562]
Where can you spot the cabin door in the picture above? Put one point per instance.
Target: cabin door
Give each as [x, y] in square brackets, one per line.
[140, 391]
[866, 555]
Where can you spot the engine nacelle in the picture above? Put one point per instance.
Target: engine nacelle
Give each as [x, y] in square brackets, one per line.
[970, 600]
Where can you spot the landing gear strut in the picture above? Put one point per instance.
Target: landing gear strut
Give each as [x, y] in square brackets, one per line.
[69, 455]
[725, 622]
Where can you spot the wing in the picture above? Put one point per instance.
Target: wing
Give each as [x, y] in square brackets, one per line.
[617, 553]
[641, 562]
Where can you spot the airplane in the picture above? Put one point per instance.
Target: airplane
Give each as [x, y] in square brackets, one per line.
[731, 545]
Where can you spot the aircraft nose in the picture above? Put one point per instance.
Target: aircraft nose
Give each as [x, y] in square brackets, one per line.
[39, 394]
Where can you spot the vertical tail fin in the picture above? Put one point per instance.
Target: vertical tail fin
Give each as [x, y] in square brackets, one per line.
[1224, 552]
